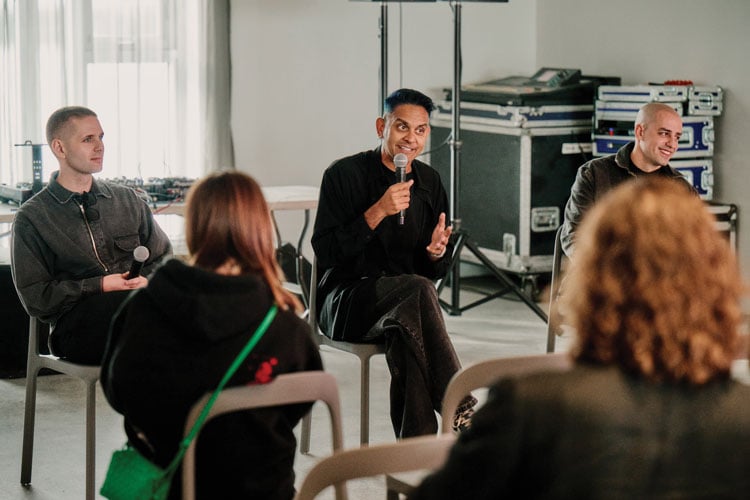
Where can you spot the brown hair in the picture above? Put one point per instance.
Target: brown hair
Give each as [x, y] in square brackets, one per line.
[227, 219]
[58, 120]
[654, 287]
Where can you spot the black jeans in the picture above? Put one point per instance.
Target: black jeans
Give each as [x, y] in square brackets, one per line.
[80, 335]
[404, 312]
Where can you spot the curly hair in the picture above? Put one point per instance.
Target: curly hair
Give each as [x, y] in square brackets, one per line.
[227, 218]
[653, 287]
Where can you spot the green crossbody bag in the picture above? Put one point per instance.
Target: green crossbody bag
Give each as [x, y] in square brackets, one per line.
[131, 476]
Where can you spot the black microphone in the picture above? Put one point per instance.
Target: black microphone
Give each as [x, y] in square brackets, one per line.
[140, 254]
[400, 160]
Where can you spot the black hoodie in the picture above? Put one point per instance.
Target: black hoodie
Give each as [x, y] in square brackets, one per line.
[172, 342]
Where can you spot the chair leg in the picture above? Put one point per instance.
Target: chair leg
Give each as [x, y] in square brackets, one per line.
[304, 439]
[90, 439]
[364, 402]
[28, 425]
[551, 334]
[392, 495]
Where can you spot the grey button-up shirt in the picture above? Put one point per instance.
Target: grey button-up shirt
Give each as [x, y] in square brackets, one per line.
[62, 249]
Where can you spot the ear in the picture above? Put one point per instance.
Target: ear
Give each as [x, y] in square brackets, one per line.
[380, 126]
[638, 131]
[57, 148]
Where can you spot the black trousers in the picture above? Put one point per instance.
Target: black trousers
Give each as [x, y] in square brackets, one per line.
[80, 335]
[404, 312]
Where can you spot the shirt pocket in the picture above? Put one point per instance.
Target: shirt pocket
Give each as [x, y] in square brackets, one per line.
[124, 245]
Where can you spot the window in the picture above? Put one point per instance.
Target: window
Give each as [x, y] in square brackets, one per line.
[139, 64]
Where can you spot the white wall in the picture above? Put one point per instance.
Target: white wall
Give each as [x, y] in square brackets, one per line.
[305, 72]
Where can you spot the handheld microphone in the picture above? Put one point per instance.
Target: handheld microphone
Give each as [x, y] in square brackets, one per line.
[140, 254]
[400, 160]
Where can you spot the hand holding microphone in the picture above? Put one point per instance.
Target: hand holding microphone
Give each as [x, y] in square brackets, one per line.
[400, 160]
[130, 280]
[140, 255]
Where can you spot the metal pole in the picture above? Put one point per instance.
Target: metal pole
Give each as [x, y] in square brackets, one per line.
[383, 55]
[456, 151]
[456, 116]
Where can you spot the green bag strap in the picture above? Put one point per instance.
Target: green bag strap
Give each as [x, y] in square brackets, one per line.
[270, 315]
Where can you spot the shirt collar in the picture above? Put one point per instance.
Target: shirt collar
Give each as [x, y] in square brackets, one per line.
[62, 195]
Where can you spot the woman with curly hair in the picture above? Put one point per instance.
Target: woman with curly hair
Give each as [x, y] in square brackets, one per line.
[649, 409]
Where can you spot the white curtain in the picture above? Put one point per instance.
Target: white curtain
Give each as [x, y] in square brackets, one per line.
[155, 71]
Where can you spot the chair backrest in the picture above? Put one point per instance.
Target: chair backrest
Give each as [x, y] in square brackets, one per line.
[286, 389]
[553, 315]
[36, 329]
[743, 347]
[726, 221]
[485, 373]
[312, 314]
[417, 453]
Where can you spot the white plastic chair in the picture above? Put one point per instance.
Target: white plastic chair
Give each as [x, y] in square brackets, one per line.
[423, 452]
[88, 374]
[554, 324]
[485, 373]
[286, 389]
[363, 351]
[470, 378]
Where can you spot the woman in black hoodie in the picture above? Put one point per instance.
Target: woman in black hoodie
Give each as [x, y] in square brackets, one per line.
[173, 341]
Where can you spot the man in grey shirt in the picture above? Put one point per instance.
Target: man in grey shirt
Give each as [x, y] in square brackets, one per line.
[73, 241]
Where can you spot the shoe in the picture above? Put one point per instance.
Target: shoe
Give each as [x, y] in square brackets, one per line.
[464, 412]
[462, 420]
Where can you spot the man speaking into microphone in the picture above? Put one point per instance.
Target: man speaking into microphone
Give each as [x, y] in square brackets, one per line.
[381, 239]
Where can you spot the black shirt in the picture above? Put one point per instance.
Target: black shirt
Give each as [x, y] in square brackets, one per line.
[345, 246]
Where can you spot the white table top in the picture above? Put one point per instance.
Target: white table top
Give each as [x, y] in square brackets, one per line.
[291, 197]
[278, 198]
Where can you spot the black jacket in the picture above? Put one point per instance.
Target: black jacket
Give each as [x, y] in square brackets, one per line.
[345, 246]
[172, 342]
[597, 433]
[596, 178]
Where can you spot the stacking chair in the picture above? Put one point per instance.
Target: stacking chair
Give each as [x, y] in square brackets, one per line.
[423, 452]
[470, 378]
[286, 389]
[743, 349]
[363, 351]
[485, 373]
[88, 374]
[554, 325]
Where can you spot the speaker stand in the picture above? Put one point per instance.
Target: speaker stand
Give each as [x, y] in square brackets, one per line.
[454, 307]
[462, 238]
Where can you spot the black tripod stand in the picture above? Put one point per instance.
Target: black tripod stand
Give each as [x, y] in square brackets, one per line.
[462, 238]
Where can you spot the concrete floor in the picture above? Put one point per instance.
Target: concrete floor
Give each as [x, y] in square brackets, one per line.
[501, 327]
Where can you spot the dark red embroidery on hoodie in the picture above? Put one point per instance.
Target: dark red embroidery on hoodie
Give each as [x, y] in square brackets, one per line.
[264, 373]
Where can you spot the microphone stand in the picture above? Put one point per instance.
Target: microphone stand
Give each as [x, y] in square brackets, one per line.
[462, 238]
